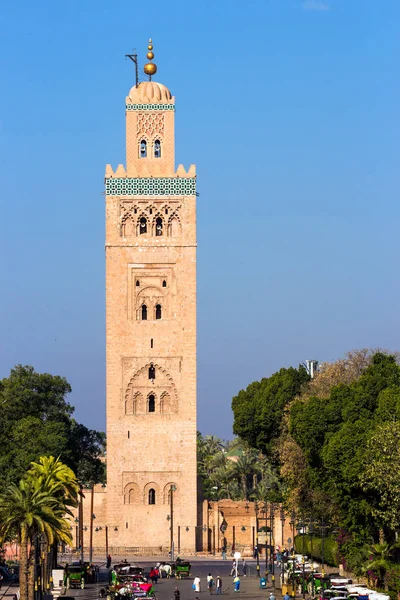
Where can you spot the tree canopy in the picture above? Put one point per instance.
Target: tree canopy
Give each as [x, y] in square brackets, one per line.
[37, 421]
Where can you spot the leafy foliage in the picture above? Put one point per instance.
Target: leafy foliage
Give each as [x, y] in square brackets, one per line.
[37, 420]
[259, 409]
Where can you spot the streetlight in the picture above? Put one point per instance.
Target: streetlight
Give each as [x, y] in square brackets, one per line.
[256, 508]
[311, 532]
[292, 524]
[300, 529]
[264, 512]
[282, 517]
[271, 540]
[323, 528]
[171, 504]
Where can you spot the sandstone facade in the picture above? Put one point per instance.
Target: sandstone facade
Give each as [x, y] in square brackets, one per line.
[150, 334]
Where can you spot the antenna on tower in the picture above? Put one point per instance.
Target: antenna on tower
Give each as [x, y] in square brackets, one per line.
[133, 58]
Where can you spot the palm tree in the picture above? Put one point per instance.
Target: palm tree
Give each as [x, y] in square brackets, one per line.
[380, 563]
[245, 468]
[27, 509]
[60, 481]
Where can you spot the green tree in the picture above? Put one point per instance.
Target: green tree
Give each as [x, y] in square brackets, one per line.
[380, 475]
[259, 409]
[34, 506]
[37, 421]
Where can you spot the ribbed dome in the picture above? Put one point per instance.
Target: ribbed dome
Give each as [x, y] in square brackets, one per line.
[150, 92]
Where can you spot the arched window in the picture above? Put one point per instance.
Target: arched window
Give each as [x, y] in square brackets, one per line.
[159, 226]
[164, 283]
[152, 496]
[158, 311]
[143, 149]
[152, 403]
[143, 225]
[137, 282]
[157, 149]
[152, 372]
[144, 312]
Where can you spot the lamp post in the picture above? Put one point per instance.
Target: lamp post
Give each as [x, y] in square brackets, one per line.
[264, 512]
[292, 524]
[282, 517]
[323, 527]
[171, 504]
[80, 517]
[92, 518]
[257, 508]
[303, 560]
[311, 532]
[272, 541]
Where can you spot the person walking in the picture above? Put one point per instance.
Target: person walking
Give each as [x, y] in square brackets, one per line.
[255, 553]
[152, 575]
[223, 552]
[286, 596]
[271, 596]
[197, 584]
[233, 570]
[218, 585]
[244, 567]
[108, 561]
[177, 594]
[210, 583]
[236, 584]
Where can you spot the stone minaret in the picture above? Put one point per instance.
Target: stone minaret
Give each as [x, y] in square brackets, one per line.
[151, 331]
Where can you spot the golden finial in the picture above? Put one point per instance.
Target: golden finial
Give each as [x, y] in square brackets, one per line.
[150, 68]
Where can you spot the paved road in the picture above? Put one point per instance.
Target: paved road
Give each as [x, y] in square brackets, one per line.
[165, 587]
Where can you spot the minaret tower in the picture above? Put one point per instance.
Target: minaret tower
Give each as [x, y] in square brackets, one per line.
[151, 331]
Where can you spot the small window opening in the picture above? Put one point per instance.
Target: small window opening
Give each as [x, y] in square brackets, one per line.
[158, 311]
[129, 434]
[152, 496]
[152, 372]
[151, 211]
[126, 525]
[137, 282]
[159, 226]
[143, 149]
[164, 283]
[135, 210]
[157, 149]
[144, 312]
[166, 211]
[151, 343]
[143, 225]
[152, 403]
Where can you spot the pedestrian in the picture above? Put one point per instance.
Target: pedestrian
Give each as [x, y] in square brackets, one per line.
[255, 553]
[236, 584]
[152, 575]
[156, 574]
[177, 594]
[233, 570]
[196, 583]
[223, 552]
[210, 583]
[108, 561]
[271, 596]
[218, 585]
[286, 596]
[244, 567]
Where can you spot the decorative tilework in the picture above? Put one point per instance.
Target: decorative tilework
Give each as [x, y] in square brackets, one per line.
[150, 107]
[151, 186]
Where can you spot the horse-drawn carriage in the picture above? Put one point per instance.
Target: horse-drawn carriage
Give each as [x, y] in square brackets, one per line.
[181, 569]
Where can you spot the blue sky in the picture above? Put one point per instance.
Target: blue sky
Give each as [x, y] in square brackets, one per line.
[289, 108]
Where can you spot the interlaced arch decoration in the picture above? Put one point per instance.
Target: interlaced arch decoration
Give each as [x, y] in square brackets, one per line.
[149, 124]
[162, 388]
[174, 225]
[132, 494]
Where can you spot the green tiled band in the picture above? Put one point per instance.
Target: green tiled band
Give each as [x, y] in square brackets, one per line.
[150, 107]
[151, 186]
